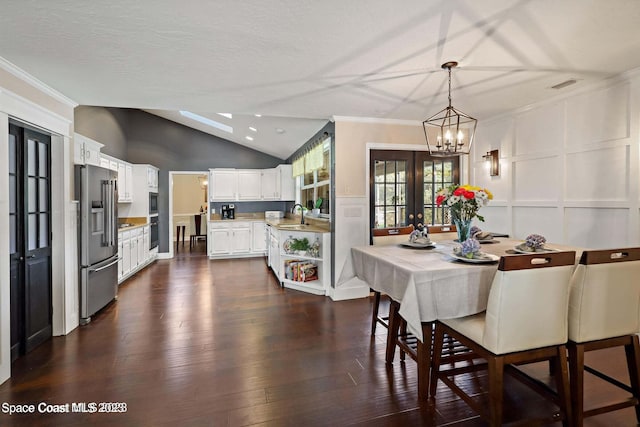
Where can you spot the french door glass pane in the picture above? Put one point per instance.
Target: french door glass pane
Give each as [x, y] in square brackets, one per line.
[12, 154]
[31, 159]
[379, 217]
[32, 193]
[390, 194]
[12, 194]
[44, 196]
[390, 216]
[379, 172]
[42, 160]
[12, 234]
[44, 230]
[32, 231]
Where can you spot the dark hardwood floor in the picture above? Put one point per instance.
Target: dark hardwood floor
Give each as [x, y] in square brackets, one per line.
[193, 342]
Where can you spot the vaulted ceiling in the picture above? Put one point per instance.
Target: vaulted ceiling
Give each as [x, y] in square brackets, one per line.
[299, 63]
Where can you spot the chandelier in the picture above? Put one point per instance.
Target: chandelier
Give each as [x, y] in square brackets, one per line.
[449, 132]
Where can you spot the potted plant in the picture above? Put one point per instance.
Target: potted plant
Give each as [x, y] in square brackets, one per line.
[300, 246]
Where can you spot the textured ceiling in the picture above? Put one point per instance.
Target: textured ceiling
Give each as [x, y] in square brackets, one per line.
[312, 60]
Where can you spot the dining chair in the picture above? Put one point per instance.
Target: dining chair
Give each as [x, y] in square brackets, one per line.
[199, 232]
[525, 321]
[386, 236]
[604, 304]
[438, 233]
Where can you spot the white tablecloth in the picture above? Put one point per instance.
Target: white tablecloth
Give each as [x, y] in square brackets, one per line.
[429, 284]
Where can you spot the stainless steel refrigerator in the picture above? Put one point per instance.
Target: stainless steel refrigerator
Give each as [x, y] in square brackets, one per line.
[97, 190]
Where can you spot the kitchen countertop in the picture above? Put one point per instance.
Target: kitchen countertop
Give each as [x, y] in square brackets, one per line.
[293, 224]
[131, 227]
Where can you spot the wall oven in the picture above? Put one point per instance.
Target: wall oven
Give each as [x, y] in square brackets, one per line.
[153, 203]
[153, 232]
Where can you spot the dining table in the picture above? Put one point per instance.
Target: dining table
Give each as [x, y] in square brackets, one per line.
[430, 283]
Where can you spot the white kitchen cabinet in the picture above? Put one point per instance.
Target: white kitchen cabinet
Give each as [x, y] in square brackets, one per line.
[249, 184]
[125, 182]
[146, 242]
[152, 178]
[142, 250]
[234, 239]
[258, 237]
[133, 251]
[241, 238]
[219, 239]
[223, 185]
[270, 184]
[126, 253]
[286, 184]
[230, 185]
[86, 151]
[291, 264]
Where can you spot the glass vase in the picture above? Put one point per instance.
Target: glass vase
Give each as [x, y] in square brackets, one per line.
[463, 226]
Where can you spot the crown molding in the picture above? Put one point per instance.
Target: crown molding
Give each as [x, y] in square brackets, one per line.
[376, 120]
[28, 78]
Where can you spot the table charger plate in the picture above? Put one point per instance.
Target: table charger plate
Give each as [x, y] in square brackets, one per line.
[519, 249]
[415, 245]
[484, 258]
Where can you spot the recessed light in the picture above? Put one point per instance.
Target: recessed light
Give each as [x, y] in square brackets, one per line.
[227, 115]
[207, 121]
[249, 138]
[258, 115]
[280, 130]
[251, 128]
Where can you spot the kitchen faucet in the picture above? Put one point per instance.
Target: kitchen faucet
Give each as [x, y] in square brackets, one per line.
[301, 212]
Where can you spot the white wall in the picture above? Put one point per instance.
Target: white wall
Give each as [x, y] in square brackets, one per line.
[569, 170]
[24, 99]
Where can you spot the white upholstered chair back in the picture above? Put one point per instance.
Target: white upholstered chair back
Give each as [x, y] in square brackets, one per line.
[605, 295]
[391, 235]
[528, 302]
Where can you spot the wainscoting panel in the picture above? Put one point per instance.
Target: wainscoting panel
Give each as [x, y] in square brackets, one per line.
[546, 221]
[601, 115]
[496, 218]
[537, 179]
[598, 174]
[597, 228]
[540, 130]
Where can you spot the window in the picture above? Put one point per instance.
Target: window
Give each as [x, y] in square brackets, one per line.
[315, 184]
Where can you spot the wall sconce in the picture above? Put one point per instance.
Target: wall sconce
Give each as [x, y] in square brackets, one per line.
[492, 158]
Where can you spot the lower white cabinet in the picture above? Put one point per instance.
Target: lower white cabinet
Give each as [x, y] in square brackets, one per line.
[230, 239]
[133, 251]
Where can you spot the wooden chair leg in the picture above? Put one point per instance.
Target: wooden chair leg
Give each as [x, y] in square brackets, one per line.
[438, 341]
[403, 333]
[576, 373]
[392, 331]
[376, 307]
[496, 386]
[632, 352]
[561, 373]
[424, 361]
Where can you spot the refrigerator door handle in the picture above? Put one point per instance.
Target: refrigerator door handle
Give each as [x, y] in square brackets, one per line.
[105, 217]
[92, 270]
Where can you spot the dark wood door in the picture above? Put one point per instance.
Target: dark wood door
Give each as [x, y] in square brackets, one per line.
[30, 238]
[403, 185]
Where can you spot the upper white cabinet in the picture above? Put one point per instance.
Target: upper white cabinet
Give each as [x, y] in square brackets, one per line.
[230, 185]
[223, 185]
[152, 178]
[286, 184]
[125, 182]
[249, 184]
[86, 151]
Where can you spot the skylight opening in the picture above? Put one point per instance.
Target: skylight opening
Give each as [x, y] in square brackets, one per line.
[207, 121]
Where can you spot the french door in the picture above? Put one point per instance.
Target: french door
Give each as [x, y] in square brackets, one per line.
[29, 238]
[403, 187]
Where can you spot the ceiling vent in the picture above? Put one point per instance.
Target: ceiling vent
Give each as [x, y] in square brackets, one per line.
[564, 84]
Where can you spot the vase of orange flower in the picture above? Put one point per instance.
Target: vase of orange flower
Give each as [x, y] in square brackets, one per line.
[463, 201]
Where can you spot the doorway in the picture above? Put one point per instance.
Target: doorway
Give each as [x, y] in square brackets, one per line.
[403, 187]
[188, 199]
[29, 239]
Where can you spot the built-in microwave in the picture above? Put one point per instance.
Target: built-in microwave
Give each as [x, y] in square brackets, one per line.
[153, 203]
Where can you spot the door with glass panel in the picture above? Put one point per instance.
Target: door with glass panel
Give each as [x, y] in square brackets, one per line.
[403, 187]
[29, 238]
